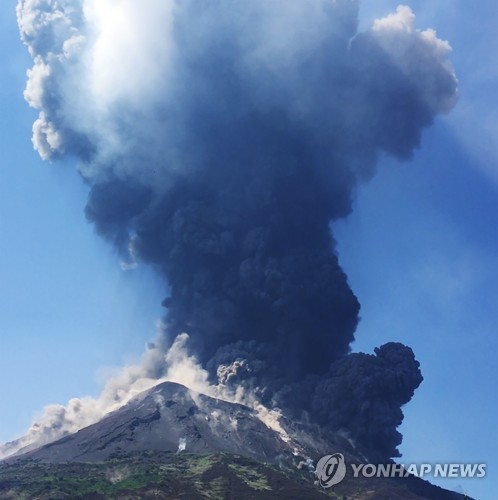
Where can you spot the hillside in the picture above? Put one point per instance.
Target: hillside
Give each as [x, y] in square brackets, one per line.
[166, 475]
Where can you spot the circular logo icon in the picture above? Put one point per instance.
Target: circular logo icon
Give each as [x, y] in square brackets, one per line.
[330, 470]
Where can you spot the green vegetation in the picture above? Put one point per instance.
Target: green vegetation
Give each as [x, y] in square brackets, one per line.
[154, 475]
[187, 476]
[254, 480]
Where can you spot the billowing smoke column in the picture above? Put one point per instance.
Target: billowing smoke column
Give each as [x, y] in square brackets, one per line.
[219, 140]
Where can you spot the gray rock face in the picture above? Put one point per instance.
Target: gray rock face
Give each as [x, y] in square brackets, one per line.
[162, 418]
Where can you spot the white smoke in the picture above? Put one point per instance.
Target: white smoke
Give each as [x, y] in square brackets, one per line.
[182, 445]
[408, 47]
[57, 421]
[185, 369]
[175, 365]
[307, 465]
[117, 475]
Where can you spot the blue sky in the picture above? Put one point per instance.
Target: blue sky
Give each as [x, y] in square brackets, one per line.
[420, 251]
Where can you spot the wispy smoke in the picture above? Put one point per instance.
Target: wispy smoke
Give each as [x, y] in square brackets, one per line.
[219, 140]
[58, 420]
[117, 474]
[156, 366]
[182, 445]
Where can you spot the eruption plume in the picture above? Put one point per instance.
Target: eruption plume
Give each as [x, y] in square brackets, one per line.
[219, 140]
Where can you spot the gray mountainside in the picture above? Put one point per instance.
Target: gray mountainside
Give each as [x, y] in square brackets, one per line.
[166, 415]
[162, 416]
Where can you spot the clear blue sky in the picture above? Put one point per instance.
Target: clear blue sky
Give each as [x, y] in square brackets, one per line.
[421, 251]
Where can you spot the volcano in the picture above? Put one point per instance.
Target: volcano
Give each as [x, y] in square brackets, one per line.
[172, 418]
[172, 428]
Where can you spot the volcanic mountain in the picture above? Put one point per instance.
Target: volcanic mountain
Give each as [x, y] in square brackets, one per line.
[188, 436]
[170, 417]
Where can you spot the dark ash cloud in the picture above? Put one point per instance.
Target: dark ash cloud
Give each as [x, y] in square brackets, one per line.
[219, 140]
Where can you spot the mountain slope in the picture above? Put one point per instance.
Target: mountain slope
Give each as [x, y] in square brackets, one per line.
[154, 475]
[166, 475]
[163, 417]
